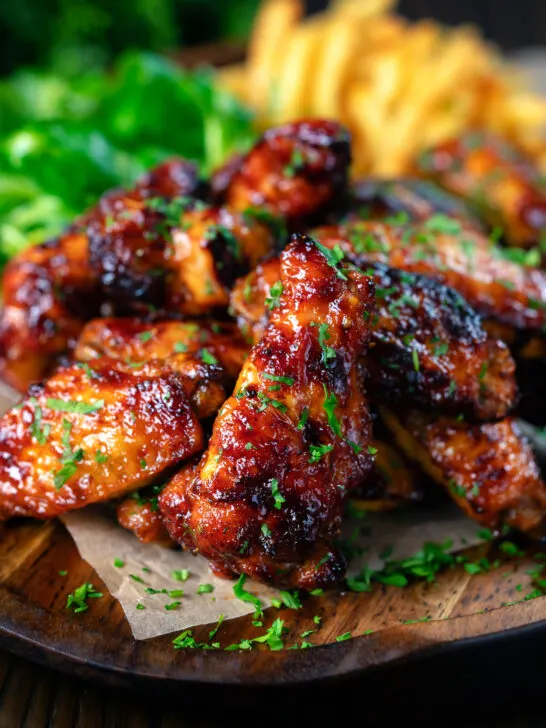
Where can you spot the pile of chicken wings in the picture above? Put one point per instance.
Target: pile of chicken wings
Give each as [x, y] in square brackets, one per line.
[229, 360]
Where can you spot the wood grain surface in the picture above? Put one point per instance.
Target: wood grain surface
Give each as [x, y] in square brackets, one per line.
[34, 621]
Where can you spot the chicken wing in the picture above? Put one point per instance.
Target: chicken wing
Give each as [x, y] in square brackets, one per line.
[267, 497]
[392, 483]
[50, 290]
[298, 171]
[95, 432]
[179, 256]
[496, 287]
[139, 513]
[407, 199]
[500, 181]
[428, 348]
[134, 340]
[488, 469]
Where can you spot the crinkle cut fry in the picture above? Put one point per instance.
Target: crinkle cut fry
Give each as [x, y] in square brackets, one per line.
[267, 496]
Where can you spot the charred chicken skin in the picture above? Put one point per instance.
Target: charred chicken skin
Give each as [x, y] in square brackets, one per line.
[95, 432]
[267, 497]
[488, 469]
[50, 290]
[496, 287]
[498, 179]
[179, 256]
[298, 171]
[134, 340]
[427, 347]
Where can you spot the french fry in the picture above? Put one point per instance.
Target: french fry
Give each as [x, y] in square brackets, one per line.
[400, 87]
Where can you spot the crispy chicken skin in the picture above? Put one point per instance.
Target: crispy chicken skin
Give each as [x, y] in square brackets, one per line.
[494, 286]
[92, 433]
[488, 469]
[501, 182]
[392, 483]
[49, 290]
[267, 496]
[134, 340]
[428, 349]
[179, 255]
[297, 171]
[141, 516]
[407, 199]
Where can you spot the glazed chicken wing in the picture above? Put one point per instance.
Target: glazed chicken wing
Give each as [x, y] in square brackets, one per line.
[134, 340]
[488, 469]
[428, 348]
[92, 433]
[50, 290]
[298, 171]
[496, 178]
[139, 513]
[496, 287]
[407, 199]
[179, 256]
[267, 497]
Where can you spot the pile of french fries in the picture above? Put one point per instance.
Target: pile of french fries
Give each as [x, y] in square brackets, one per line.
[399, 86]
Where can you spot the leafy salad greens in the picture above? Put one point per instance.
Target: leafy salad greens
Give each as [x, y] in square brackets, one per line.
[64, 141]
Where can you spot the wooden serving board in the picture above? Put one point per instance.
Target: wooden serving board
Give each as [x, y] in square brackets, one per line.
[35, 622]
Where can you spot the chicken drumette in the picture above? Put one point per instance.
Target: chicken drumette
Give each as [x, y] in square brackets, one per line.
[266, 499]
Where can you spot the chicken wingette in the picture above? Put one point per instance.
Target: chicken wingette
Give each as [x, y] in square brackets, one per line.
[95, 431]
[51, 289]
[267, 497]
[427, 346]
[298, 171]
[496, 287]
[135, 340]
[498, 179]
[488, 469]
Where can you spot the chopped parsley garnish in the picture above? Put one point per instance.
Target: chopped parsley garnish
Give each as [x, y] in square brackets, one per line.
[100, 457]
[277, 496]
[140, 606]
[344, 637]
[329, 406]
[303, 418]
[317, 451]
[81, 408]
[145, 336]
[274, 299]
[290, 599]
[415, 359]
[245, 596]
[208, 358]
[277, 378]
[204, 589]
[297, 160]
[439, 223]
[119, 563]
[180, 347]
[328, 352]
[172, 605]
[63, 572]
[78, 599]
[136, 578]
[265, 530]
[333, 257]
[316, 592]
[39, 433]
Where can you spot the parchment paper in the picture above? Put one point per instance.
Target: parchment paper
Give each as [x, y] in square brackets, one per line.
[101, 541]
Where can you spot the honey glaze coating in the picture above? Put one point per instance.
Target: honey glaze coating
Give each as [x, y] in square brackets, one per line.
[267, 497]
[135, 340]
[297, 171]
[50, 290]
[488, 469]
[140, 515]
[498, 179]
[179, 255]
[428, 348]
[495, 286]
[92, 433]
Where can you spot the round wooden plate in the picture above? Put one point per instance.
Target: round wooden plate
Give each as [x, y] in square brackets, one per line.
[35, 623]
